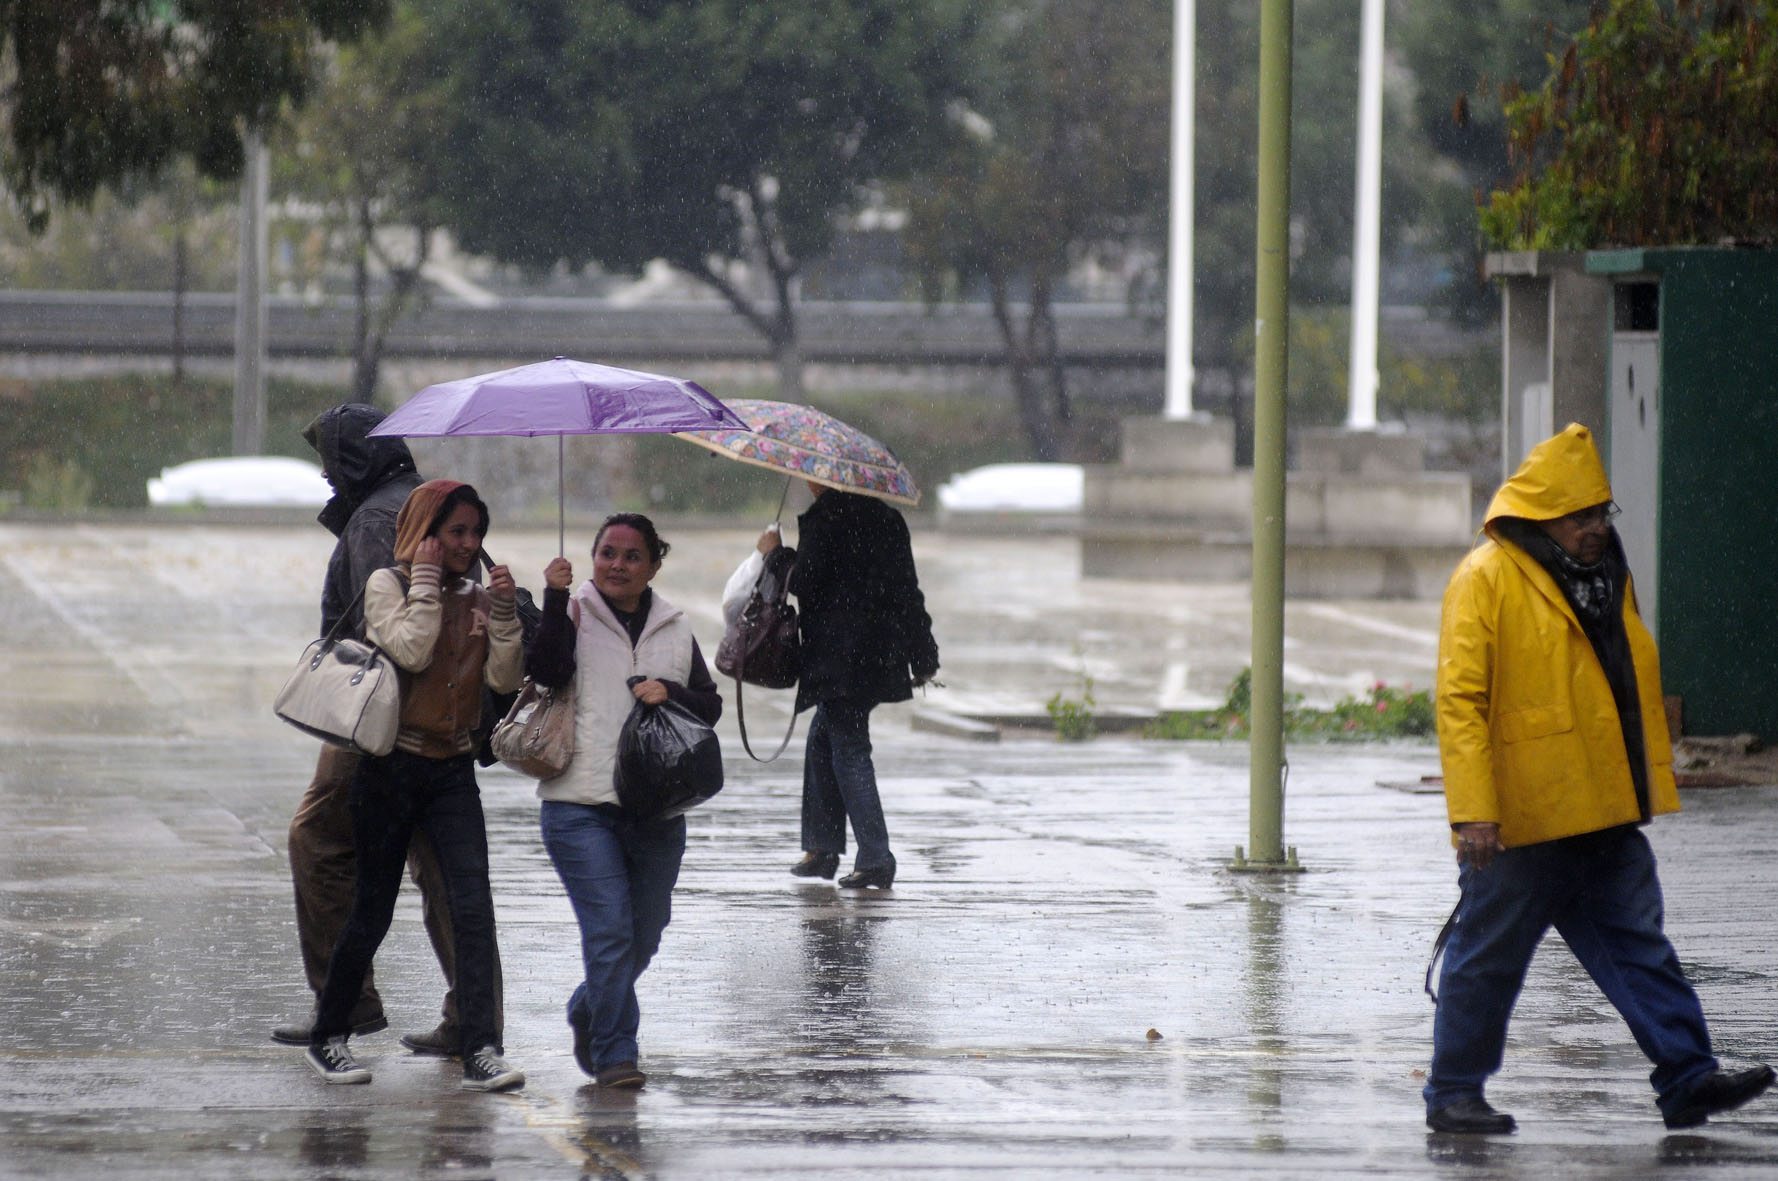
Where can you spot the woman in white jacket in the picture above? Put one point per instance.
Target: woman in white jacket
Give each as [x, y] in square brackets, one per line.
[619, 873]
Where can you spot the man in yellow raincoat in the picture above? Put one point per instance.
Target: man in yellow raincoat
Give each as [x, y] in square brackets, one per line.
[1555, 751]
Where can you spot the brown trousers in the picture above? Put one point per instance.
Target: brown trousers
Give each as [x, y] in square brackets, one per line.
[324, 871]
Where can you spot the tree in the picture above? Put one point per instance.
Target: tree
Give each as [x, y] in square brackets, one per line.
[360, 150]
[1657, 125]
[102, 91]
[1069, 147]
[723, 136]
[1459, 56]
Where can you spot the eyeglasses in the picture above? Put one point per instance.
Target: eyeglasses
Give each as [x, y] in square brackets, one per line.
[1599, 514]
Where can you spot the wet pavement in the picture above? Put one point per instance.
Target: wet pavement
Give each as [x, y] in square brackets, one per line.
[1064, 981]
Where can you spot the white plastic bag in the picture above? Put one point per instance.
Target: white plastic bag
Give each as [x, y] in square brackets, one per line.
[740, 585]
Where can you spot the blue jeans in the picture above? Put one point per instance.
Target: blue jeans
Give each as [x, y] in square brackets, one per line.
[1599, 891]
[619, 877]
[391, 797]
[839, 781]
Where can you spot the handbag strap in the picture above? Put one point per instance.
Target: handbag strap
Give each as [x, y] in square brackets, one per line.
[741, 665]
[741, 717]
[346, 614]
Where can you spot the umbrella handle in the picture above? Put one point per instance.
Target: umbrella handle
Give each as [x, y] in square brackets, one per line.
[782, 497]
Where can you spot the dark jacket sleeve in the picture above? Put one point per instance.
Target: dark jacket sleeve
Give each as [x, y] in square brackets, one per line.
[549, 659]
[699, 694]
[366, 545]
[913, 624]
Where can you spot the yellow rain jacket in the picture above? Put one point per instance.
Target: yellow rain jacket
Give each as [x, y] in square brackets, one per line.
[1528, 730]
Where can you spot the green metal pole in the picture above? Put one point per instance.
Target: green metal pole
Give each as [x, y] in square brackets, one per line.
[1271, 328]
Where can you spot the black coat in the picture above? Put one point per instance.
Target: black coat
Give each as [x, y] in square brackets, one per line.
[865, 631]
[371, 480]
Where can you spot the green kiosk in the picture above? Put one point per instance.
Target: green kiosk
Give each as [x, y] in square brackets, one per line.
[1691, 441]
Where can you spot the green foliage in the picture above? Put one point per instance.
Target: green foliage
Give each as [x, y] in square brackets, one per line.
[122, 430]
[709, 133]
[1066, 148]
[1458, 55]
[1073, 716]
[96, 441]
[125, 241]
[1385, 712]
[99, 92]
[1657, 125]
[362, 153]
[59, 485]
[1463, 386]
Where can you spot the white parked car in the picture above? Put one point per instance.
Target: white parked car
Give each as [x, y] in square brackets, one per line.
[1014, 487]
[242, 481]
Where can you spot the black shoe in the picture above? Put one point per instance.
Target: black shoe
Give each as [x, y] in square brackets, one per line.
[620, 1074]
[882, 878]
[365, 1019]
[1471, 1116]
[583, 1041]
[443, 1042]
[817, 865]
[1720, 1090]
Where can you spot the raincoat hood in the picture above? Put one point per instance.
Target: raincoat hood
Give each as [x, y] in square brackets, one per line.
[1561, 475]
[417, 515]
[356, 464]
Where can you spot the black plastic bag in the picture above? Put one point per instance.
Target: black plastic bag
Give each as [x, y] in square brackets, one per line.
[668, 761]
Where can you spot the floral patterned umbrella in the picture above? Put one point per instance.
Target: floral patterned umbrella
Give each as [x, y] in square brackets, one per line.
[802, 441]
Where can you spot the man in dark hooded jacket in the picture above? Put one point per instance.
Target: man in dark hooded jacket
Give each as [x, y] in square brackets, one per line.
[371, 479]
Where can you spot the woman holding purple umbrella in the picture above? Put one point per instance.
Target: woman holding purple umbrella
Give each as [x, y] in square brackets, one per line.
[866, 640]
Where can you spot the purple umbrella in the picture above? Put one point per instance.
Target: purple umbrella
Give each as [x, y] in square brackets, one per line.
[559, 397]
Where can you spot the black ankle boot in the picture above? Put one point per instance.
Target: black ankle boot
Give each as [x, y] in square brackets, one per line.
[817, 865]
[881, 877]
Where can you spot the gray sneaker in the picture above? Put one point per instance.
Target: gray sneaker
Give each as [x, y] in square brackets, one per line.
[366, 1017]
[333, 1061]
[486, 1070]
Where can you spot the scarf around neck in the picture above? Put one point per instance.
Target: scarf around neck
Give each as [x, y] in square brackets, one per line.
[1591, 590]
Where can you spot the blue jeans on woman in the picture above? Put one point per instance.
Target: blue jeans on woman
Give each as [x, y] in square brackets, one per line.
[390, 797]
[839, 781]
[1599, 891]
[619, 876]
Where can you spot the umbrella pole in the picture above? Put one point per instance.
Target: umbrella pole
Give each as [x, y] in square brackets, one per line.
[782, 497]
[561, 496]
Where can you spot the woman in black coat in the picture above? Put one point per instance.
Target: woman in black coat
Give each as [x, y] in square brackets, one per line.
[866, 639]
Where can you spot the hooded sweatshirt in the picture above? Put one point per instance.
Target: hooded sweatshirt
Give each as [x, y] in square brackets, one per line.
[371, 478]
[1531, 728]
[447, 634]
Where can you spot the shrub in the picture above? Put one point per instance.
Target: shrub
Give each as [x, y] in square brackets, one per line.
[1385, 712]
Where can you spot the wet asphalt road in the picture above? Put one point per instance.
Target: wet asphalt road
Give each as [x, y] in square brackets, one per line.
[989, 1016]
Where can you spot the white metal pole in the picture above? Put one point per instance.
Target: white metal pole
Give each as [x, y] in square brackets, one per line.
[1361, 405]
[1181, 211]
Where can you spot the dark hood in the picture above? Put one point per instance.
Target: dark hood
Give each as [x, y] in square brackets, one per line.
[356, 464]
